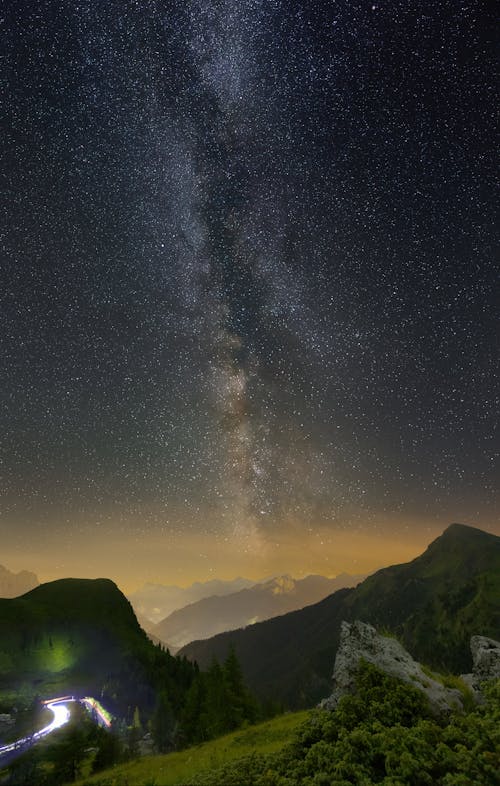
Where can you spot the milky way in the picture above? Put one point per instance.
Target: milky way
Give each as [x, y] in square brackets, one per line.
[248, 284]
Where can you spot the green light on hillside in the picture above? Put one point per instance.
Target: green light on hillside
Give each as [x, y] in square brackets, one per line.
[57, 655]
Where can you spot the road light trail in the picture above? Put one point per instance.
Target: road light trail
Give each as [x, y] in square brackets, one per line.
[61, 717]
[96, 710]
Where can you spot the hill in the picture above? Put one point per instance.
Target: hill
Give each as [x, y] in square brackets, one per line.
[216, 614]
[14, 584]
[434, 603]
[178, 767]
[82, 636]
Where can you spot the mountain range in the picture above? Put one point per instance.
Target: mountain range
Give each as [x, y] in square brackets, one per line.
[14, 584]
[216, 614]
[434, 604]
[154, 602]
[81, 635]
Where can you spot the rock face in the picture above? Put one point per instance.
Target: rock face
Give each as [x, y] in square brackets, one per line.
[485, 661]
[359, 641]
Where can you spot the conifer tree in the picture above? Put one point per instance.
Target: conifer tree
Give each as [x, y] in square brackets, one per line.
[240, 705]
[192, 728]
[163, 724]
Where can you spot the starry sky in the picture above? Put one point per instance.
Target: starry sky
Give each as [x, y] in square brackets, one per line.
[248, 294]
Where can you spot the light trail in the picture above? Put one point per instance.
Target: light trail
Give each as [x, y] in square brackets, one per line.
[94, 706]
[61, 717]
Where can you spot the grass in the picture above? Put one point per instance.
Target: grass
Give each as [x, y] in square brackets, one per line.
[172, 769]
[453, 682]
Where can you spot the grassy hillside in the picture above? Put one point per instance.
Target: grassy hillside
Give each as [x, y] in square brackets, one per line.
[434, 604]
[177, 768]
[81, 636]
[385, 734]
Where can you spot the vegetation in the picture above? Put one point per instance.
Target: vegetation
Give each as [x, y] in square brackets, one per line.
[179, 767]
[37, 767]
[383, 735]
[217, 702]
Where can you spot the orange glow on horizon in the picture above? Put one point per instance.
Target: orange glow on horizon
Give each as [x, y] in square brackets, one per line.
[181, 559]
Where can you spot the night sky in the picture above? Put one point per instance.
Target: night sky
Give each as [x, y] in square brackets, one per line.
[248, 294]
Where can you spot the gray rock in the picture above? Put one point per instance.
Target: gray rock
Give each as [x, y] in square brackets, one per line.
[359, 641]
[485, 662]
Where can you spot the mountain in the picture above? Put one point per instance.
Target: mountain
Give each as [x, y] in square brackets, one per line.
[82, 636]
[14, 584]
[156, 601]
[434, 603]
[216, 614]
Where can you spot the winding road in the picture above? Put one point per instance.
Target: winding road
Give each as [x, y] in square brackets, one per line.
[61, 715]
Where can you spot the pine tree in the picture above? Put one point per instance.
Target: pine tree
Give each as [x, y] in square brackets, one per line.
[213, 719]
[69, 752]
[240, 704]
[192, 726]
[163, 726]
[110, 750]
[236, 694]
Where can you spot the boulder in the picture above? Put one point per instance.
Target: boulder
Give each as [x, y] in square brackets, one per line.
[359, 641]
[485, 661]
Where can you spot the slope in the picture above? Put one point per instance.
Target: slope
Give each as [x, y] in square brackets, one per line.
[178, 767]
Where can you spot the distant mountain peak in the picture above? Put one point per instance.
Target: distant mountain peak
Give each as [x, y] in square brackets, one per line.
[278, 585]
[14, 584]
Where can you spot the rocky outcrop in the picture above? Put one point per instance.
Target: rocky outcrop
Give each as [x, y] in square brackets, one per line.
[359, 641]
[485, 662]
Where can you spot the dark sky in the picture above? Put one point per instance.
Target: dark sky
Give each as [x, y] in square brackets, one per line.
[248, 296]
